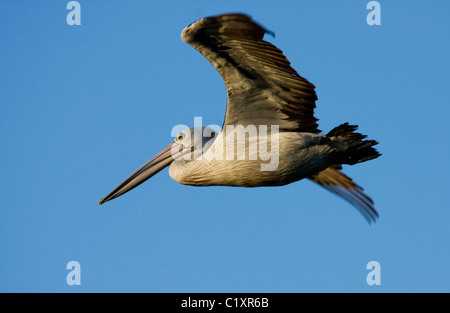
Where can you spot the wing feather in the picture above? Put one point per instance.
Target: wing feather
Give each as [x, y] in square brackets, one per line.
[262, 87]
[340, 184]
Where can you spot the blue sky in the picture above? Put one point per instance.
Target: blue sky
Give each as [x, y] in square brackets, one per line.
[83, 106]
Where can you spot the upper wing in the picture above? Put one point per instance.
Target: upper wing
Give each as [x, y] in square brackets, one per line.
[262, 87]
[342, 185]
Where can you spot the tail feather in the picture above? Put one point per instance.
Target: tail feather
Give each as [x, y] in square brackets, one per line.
[355, 149]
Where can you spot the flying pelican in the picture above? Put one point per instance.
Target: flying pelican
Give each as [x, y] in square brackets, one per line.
[263, 90]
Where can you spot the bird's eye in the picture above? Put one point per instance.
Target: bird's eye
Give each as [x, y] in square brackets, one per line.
[213, 135]
[180, 137]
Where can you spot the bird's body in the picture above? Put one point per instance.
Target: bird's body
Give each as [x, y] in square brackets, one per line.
[296, 156]
[270, 135]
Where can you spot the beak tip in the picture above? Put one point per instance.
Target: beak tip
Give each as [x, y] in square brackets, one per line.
[101, 201]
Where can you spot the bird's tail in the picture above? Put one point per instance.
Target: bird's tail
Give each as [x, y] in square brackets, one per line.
[353, 146]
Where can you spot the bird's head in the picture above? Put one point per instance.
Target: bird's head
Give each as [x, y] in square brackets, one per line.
[190, 144]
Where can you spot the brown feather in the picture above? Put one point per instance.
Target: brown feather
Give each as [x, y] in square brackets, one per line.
[252, 68]
[337, 182]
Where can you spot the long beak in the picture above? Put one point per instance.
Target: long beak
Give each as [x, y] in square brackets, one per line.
[152, 167]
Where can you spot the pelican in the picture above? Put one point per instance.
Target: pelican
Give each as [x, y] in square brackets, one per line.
[270, 106]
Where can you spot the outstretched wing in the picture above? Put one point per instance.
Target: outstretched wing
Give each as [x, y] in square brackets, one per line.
[342, 185]
[262, 87]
